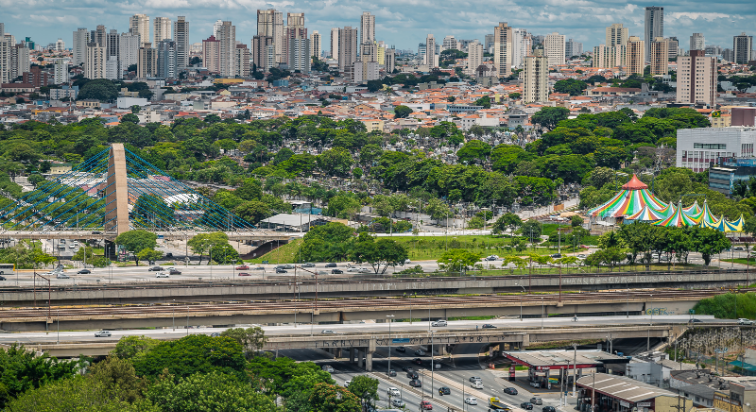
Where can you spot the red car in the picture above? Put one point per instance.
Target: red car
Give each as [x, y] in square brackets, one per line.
[242, 267]
[244, 274]
[425, 405]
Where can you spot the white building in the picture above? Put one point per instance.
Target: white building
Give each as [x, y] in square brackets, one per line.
[554, 48]
[161, 30]
[60, 45]
[140, 24]
[474, 56]
[80, 40]
[61, 71]
[697, 148]
[128, 50]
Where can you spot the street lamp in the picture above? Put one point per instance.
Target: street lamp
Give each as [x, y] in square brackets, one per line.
[433, 364]
[523, 291]
[388, 371]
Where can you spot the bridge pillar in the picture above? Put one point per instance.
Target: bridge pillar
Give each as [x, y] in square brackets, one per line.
[369, 361]
[117, 192]
[360, 357]
[353, 354]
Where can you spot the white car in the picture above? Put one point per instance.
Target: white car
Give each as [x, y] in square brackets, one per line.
[353, 270]
[398, 402]
[438, 366]
[470, 400]
[162, 275]
[393, 392]
[744, 321]
[346, 383]
[439, 322]
[102, 334]
[328, 368]
[60, 275]
[420, 352]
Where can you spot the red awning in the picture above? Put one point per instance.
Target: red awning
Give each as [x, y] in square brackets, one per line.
[635, 184]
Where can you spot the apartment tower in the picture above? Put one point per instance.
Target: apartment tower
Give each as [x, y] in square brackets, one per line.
[635, 57]
[536, 78]
[697, 78]
[503, 49]
[653, 28]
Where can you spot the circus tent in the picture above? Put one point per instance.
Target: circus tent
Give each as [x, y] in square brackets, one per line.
[633, 197]
[678, 219]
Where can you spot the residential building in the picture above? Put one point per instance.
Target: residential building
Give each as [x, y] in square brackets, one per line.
[369, 52]
[315, 44]
[572, 49]
[147, 65]
[635, 59]
[36, 77]
[503, 49]
[20, 62]
[227, 49]
[181, 37]
[140, 24]
[421, 52]
[128, 50]
[659, 57]
[260, 52]
[166, 60]
[654, 27]
[61, 71]
[520, 46]
[713, 50]
[6, 44]
[553, 48]
[616, 35]
[94, 67]
[211, 54]
[381, 47]
[697, 148]
[430, 52]
[474, 56]
[674, 48]
[742, 47]
[299, 55]
[390, 60]
[217, 25]
[99, 36]
[347, 47]
[64, 92]
[728, 55]
[80, 41]
[112, 71]
[112, 44]
[605, 57]
[335, 43]
[60, 45]
[448, 43]
[270, 23]
[363, 72]
[697, 42]
[488, 43]
[242, 61]
[697, 78]
[161, 29]
[367, 28]
[536, 78]
[294, 30]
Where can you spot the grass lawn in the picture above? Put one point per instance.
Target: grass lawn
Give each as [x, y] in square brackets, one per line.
[742, 261]
[283, 254]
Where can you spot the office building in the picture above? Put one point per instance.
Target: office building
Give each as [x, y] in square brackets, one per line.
[654, 27]
[536, 78]
[161, 29]
[697, 42]
[742, 47]
[140, 24]
[128, 50]
[299, 55]
[227, 49]
[659, 57]
[147, 65]
[474, 57]
[430, 52]
[390, 60]
[489, 43]
[367, 28]
[211, 54]
[347, 47]
[242, 61]
[60, 75]
[166, 60]
[572, 48]
[616, 35]
[697, 148]
[335, 43]
[181, 37]
[503, 49]
[80, 41]
[553, 48]
[94, 67]
[260, 52]
[315, 44]
[635, 59]
[697, 78]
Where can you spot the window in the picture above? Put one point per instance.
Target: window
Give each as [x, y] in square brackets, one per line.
[709, 146]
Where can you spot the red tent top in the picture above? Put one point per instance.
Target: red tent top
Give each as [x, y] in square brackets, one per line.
[635, 184]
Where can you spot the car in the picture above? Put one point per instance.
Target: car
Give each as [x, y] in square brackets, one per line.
[548, 409]
[694, 320]
[102, 334]
[490, 259]
[244, 274]
[475, 378]
[330, 265]
[61, 275]
[510, 391]
[664, 259]
[155, 269]
[63, 241]
[415, 383]
[336, 271]
[391, 373]
[470, 400]
[308, 265]
[444, 390]
[738, 248]
[477, 385]
[174, 271]
[556, 255]
[84, 272]
[3, 278]
[258, 268]
[96, 232]
[420, 352]
[169, 255]
[288, 266]
[527, 406]
[408, 368]
[417, 361]
[162, 275]
[426, 405]
[439, 322]
[401, 349]
[438, 366]
[327, 332]
[488, 326]
[581, 256]
[536, 400]
[328, 368]
[398, 403]
[412, 375]
[744, 321]
[654, 256]
[242, 267]
[281, 270]
[346, 383]
[392, 391]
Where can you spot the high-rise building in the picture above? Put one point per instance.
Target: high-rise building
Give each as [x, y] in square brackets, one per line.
[520, 47]
[654, 27]
[572, 48]
[488, 43]
[728, 55]
[421, 52]
[616, 35]
[635, 57]
[161, 29]
[449, 43]
[367, 28]
[363, 71]
[474, 57]
[166, 60]
[347, 47]
[369, 52]
[553, 48]
[381, 50]
[217, 25]
[61, 71]
[94, 67]
[181, 37]
[80, 40]
[112, 71]
[128, 50]
[430, 51]
[315, 45]
[5, 59]
[211, 54]
[260, 52]
[742, 47]
[299, 55]
[2, 29]
[697, 78]
[270, 23]
[713, 50]
[100, 33]
[607, 57]
[147, 65]
[697, 42]
[390, 64]
[503, 49]
[227, 43]
[60, 45]
[242, 60]
[112, 44]
[295, 29]
[536, 78]
[674, 48]
[335, 43]
[659, 56]
[140, 24]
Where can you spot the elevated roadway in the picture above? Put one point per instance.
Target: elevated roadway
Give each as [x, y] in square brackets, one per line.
[258, 235]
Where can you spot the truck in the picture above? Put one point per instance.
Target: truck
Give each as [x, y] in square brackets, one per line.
[496, 404]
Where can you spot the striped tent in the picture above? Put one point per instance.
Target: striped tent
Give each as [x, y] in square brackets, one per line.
[633, 197]
[693, 209]
[668, 211]
[647, 215]
[717, 224]
[736, 226]
[678, 219]
[704, 217]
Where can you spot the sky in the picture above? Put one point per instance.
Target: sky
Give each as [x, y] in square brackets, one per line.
[403, 23]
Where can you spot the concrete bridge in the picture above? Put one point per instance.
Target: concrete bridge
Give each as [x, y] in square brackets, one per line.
[234, 235]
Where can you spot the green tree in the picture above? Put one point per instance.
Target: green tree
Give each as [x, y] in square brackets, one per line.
[459, 259]
[150, 255]
[484, 101]
[118, 375]
[130, 117]
[215, 391]
[379, 254]
[548, 117]
[203, 242]
[224, 254]
[508, 220]
[708, 242]
[519, 262]
[332, 398]
[251, 339]
[514, 96]
[336, 161]
[401, 111]
[193, 354]
[135, 241]
[100, 89]
[576, 221]
[572, 86]
[129, 347]
[365, 388]
[533, 230]
[473, 150]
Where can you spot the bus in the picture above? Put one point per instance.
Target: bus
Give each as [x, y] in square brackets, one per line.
[7, 268]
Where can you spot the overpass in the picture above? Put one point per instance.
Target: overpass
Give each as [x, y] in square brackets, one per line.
[233, 235]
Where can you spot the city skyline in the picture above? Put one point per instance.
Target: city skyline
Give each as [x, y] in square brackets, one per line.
[402, 24]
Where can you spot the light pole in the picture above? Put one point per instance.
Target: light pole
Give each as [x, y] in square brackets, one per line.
[174, 314]
[523, 291]
[543, 312]
[388, 371]
[433, 365]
